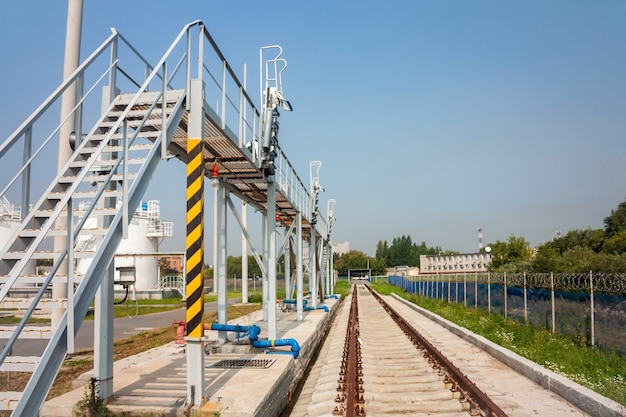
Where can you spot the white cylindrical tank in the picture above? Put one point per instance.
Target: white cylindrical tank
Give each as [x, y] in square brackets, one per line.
[138, 250]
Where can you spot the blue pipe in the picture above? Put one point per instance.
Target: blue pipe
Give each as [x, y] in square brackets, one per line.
[325, 308]
[295, 347]
[240, 330]
[254, 331]
[335, 296]
[291, 301]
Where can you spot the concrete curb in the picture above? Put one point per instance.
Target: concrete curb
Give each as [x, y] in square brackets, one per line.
[582, 397]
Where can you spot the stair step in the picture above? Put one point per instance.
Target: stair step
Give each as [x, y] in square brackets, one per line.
[9, 399]
[29, 332]
[134, 114]
[97, 178]
[133, 148]
[56, 195]
[24, 303]
[96, 211]
[38, 279]
[133, 123]
[46, 255]
[62, 232]
[148, 97]
[149, 134]
[20, 364]
[103, 165]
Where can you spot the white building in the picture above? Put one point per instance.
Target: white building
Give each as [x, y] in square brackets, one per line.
[341, 248]
[453, 264]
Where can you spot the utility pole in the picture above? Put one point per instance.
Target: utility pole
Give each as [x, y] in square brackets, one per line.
[68, 102]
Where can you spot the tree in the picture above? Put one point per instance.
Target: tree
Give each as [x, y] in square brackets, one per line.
[516, 250]
[616, 222]
[356, 259]
[616, 243]
[382, 252]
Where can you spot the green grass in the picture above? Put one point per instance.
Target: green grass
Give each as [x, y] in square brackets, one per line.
[343, 287]
[600, 370]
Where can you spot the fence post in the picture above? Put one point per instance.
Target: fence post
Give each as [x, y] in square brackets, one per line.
[552, 295]
[489, 293]
[505, 312]
[525, 301]
[442, 289]
[475, 289]
[465, 289]
[449, 282]
[593, 332]
[456, 279]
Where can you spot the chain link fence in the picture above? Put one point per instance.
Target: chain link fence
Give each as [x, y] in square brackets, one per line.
[590, 307]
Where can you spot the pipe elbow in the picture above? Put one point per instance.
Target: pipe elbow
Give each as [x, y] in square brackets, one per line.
[254, 332]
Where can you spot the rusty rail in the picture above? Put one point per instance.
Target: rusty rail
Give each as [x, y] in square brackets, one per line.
[350, 384]
[479, 402]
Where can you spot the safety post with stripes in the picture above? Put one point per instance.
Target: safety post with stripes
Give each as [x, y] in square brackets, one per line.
[195, 239]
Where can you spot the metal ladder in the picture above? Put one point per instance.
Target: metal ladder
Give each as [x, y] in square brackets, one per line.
[113, 163]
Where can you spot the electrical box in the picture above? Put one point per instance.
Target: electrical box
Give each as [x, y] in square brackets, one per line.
[127, 275]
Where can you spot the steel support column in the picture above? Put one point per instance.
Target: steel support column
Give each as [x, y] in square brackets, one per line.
[271, 270]
[103, 335]
[287, 254]
[265, 272]
[313, 268]
[194, 265]
[244, 254]
[219, 269]
[299, 266]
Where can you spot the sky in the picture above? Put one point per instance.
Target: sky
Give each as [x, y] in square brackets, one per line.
[431, 118]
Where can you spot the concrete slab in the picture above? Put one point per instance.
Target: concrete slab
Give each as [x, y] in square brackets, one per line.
[154, 382]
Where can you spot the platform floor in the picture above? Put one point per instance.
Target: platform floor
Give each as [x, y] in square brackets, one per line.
[154, 382]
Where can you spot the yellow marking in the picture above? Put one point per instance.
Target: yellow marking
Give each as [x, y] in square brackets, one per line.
[193, 260]
[194, 211]
[194, 235]
[194, 309]
[194, 187]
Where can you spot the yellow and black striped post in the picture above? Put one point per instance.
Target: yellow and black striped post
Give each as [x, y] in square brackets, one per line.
[195, 239]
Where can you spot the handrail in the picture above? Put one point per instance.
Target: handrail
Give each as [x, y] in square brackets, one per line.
[55, 95]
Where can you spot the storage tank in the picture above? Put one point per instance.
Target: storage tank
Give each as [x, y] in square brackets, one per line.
[138, 253]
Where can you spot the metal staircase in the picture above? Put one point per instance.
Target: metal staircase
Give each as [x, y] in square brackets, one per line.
[113, 162]
[106, 177]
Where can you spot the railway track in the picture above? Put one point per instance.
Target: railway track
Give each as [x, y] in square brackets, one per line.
[376, 365]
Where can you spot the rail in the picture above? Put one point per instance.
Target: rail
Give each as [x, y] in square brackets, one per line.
[480, 403]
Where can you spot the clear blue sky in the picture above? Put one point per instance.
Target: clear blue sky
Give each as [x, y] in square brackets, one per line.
[431, 118]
